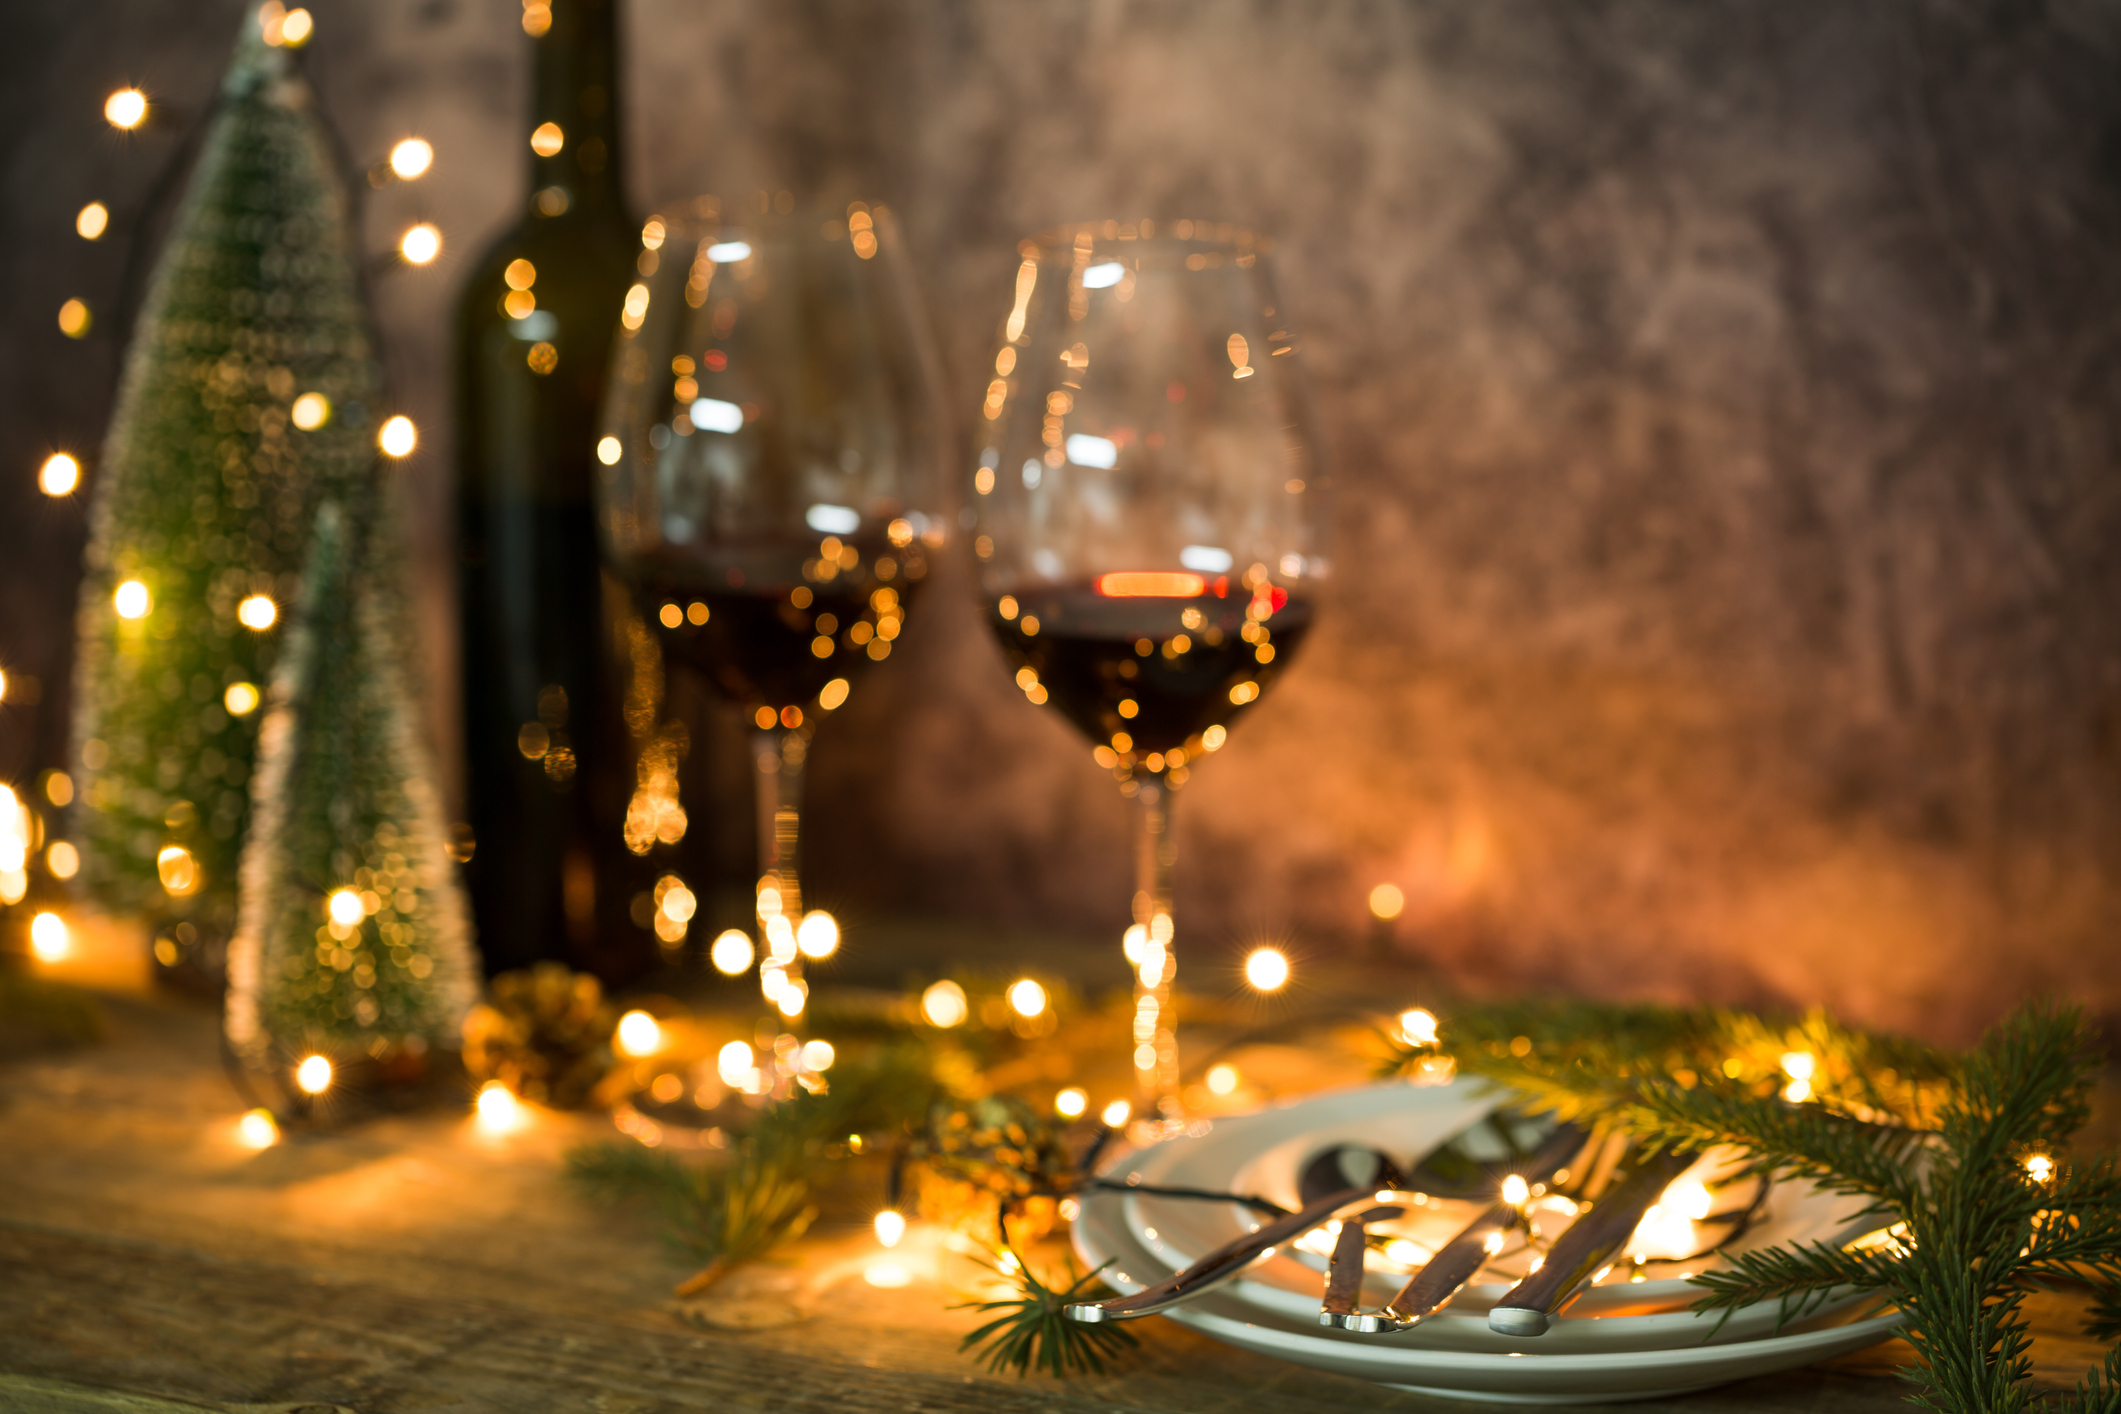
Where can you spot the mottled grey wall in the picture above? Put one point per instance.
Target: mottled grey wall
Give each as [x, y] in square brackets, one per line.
[1725, 399]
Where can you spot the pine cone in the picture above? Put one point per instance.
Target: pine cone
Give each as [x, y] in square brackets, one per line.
[544, 1032]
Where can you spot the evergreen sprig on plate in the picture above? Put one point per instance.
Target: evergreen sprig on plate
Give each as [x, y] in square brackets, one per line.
[1031, 1333]
[1964, 1160]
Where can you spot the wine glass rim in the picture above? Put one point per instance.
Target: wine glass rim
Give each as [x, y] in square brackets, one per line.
[1184, 232]
[691, 218]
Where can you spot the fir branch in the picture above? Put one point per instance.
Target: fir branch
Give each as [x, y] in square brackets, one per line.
[1032, 1333]
[1939, 1145]
[2099, 1392]
[1843, 1154]
[726, 1214]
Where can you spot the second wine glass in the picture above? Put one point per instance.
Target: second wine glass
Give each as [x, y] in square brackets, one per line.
[1149, 529]
[772, 461]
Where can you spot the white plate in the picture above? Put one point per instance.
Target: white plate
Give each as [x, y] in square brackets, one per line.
[1262, 1154]
[1540, 1378]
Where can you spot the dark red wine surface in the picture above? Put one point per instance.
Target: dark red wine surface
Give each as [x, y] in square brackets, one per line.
[1149, 671]
[772, 630]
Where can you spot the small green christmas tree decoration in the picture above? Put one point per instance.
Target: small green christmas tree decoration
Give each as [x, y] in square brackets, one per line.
[352, 935]
[246, 399]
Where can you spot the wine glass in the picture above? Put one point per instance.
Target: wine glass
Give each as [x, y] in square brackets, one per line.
[772, 460]
[1149, 529]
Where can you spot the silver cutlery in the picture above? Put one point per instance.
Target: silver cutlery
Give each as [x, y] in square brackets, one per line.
[1577, 1256]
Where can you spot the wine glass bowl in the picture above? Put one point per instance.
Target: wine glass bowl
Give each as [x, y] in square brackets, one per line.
[1149, 529]
[772, 447]
[771, 481]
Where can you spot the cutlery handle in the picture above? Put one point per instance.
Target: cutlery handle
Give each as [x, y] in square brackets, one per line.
[1219, 1266]
[1344, 1273]
[1446, 1273]
[1577, 1255]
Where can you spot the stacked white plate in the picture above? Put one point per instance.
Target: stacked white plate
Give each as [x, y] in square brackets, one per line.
[1629, 1337]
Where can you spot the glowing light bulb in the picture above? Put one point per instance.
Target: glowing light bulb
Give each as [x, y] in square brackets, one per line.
[499, 1109]
[1071, 1102]
[241, 699]
[1689, 1198]
[1515, 1191]
[345, 907]
[178, 871]
[92, 221]
[1494, 1243]
[735, 1065]
[731, 953]
[398, 437]
[1267, 969]
[638, 1034]
[944, 1005]
[49, 938]
[258, 1130]
[818, 1056]
[296, 29]
[1115, 1114]
[1027, 998]
[411, 158]
[62, 859]
[1222, 1079]
[793, 994]
[2039, 1167]
[313, 1075]
[546, 140]
[75, 319]
[1386, 901]
[1418, 1027]
[420, 244]
[1799, 1065]
[890, 1227]
[310, 411]
[59, 475]
[127, 108]
[258, 612]
[1133, 942]
[819, 934]
[609, 450]
[132, 601]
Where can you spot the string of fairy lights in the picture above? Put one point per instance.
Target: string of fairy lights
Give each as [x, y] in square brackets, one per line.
[638, 1037]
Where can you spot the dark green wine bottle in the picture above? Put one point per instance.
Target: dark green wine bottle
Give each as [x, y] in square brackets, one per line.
[548, 765]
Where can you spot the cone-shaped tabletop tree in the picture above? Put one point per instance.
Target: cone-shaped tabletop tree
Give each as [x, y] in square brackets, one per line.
[253, 330]
[352, 930]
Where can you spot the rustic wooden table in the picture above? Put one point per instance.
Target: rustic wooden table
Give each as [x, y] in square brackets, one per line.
[150, 1264]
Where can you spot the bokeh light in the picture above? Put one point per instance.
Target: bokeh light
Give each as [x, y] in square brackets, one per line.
[313, 1075]
[411, 158]
[944, 1004]
[1267, 969]
[59, 475]
[638, 1034]
[127, 108]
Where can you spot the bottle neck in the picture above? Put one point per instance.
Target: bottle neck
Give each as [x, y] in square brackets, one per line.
[574, 118]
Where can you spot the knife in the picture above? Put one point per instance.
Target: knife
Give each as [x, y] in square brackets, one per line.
[1578, 1254]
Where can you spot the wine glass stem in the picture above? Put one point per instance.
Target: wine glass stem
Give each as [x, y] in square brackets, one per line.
[1155, 1026]
[778, 756]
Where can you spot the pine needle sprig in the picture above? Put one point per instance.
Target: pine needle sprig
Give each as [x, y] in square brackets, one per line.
[1031, 1333]
[735, 1211]
[1964, 1161]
